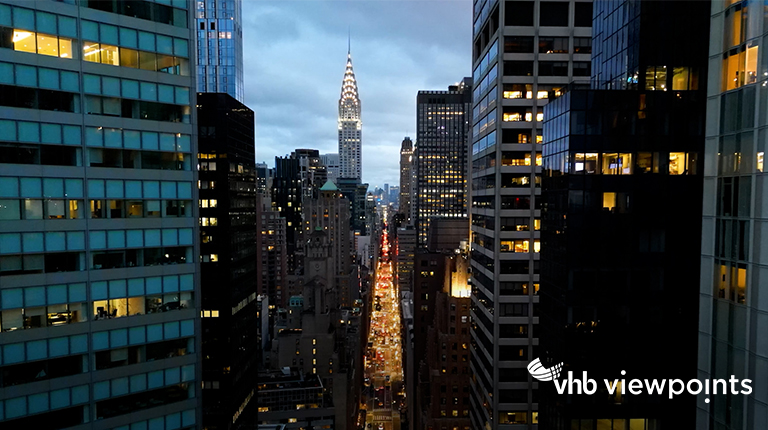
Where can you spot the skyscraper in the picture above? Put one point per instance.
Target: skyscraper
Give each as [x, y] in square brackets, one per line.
[523, 53]
[734, 261]
[440, 157]
[620, 236]
[406, 178]
[99, 279]
[350, 126]
[287, 200]
[229, 234]
[331, 163]
[220, 47]
[312, 171]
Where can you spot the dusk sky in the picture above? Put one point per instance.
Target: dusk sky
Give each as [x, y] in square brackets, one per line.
[295, 53]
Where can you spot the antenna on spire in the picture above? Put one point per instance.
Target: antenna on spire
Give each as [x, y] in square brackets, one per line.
[349, 41]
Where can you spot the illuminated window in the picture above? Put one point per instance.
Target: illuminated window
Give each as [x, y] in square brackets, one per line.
[684, 78]
[209, 222]
[91, 52]
[609, 201]
[647, 162]
[617, 164]
[24, 41]
[760, 156]
[585, 162]
[656, 78]
[47, 45]
[110, 55]
[681, 163]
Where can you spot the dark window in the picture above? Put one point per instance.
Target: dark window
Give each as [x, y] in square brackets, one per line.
[41, 370]
[513, 396]
[582, 45]
[134, 402]
[514, 44]
[518, 68]
[553, 68]
[518, 13]
[62, 417]
[553, 14]
[582, 16]
[553, 45]
[582, 68]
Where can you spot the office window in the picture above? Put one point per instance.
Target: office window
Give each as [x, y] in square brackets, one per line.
[518, 91]
[656, 78]
[586, 163]
[582, 15]
[553, 45]
[518, 13]
[517, 44]
[681, 163]
[582, 68]
[582, 45]
[553, 14]
[518, 68]
[553, 68]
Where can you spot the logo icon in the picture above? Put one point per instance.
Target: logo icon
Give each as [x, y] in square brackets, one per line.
[538, 371]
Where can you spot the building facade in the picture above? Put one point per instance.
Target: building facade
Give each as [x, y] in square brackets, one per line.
[406, 178]
[287, 200]
[99, 265]
[734, 261]
[440, 156]
[405, 256]
[228, 239]
[523, 53]
[219, 47]
[329, 212]
[620, 234]
[272, 254]
[332, 165]
[312, 171]
[350, 127]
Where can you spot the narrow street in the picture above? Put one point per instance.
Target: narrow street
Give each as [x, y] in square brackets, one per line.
[384, 391]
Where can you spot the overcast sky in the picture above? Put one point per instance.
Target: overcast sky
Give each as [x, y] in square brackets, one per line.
[295, 53]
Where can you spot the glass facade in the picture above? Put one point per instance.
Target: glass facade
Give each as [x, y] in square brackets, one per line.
[220, 47]
[621, 197]
[734, 267]
[98, 257]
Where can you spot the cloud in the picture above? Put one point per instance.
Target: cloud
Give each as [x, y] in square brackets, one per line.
[295, 52]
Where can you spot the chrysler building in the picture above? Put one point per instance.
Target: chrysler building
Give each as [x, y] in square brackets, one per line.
[350, 126]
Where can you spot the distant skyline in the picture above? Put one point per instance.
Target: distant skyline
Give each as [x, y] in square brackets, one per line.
[398, 48]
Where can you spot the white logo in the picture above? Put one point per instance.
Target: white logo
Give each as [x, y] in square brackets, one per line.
[538, 371]
[676, 387]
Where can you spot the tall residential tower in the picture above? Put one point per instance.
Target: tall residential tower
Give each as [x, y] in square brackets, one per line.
[734, 262]
[350, 126]
[220, 47]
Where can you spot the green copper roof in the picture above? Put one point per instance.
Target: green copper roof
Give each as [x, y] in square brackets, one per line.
[329, 186]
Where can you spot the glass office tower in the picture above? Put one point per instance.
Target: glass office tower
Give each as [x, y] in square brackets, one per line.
[220, 47]
[734, 261]
[99, 280]
[524, 52]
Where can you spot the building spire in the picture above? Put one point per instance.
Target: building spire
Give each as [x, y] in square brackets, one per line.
[349, 41]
